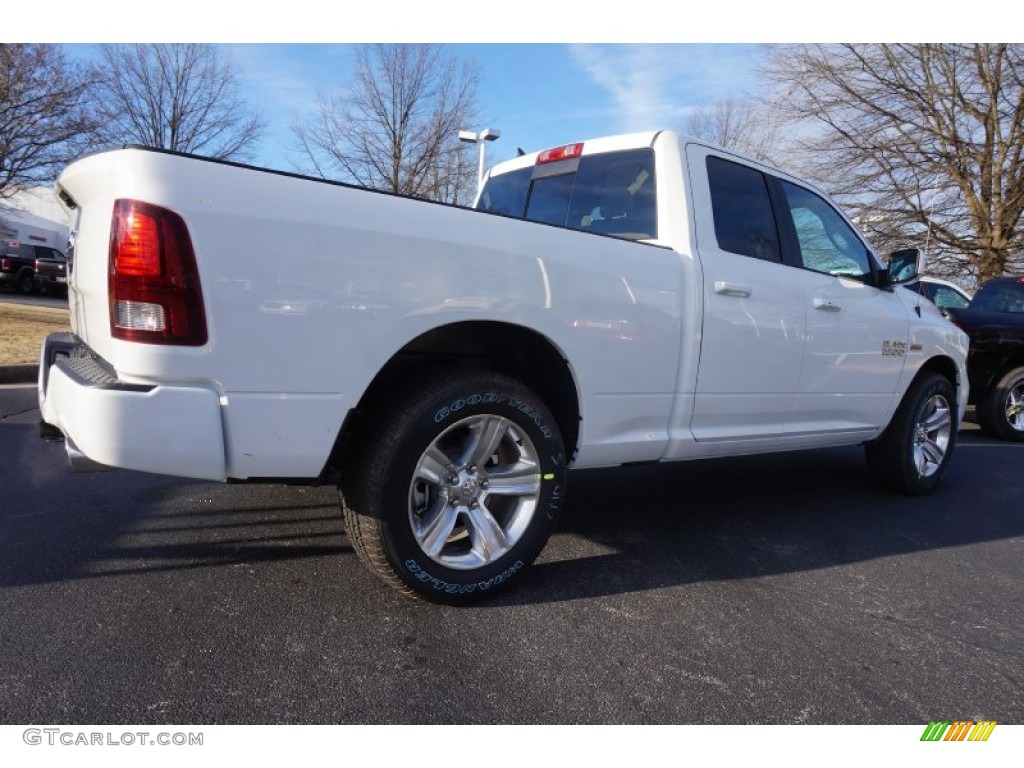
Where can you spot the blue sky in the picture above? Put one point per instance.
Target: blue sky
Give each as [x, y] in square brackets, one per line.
[537, 95]
[551, 73]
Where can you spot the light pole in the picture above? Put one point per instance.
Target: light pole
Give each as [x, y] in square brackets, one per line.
[487, 134]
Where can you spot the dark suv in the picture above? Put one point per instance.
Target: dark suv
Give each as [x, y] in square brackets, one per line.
[18, 264]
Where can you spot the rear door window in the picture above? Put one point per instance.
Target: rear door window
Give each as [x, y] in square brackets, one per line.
[742, 210]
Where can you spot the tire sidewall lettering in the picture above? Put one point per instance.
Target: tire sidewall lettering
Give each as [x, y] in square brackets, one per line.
[438, 584]
[449, 409]
[489, 398]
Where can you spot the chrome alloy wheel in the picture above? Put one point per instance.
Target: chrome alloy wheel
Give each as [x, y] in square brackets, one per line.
[1015, 406]
[931, 435]
[474, 492]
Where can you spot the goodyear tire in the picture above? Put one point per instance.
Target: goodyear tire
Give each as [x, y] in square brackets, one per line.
[458, 488]
[912, 455]
[1001, 411]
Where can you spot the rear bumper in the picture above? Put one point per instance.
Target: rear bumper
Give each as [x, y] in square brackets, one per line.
[170, 430]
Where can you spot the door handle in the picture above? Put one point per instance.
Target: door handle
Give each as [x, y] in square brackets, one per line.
[731, 289]
[825, 305]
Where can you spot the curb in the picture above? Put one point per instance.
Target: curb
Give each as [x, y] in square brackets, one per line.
[19, 374]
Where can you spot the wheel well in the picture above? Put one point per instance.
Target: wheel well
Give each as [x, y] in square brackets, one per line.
[943, 366]
[1008, 365]
[509, 349]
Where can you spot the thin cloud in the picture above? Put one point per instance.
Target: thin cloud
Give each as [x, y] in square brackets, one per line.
[281, 74]
[655, 86]
[285, 81]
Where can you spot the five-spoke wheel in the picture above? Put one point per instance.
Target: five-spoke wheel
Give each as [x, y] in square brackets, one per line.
[458, 488]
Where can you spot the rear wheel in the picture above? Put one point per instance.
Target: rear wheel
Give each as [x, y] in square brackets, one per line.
[912, 454]
[1001, 411]
[458, 487]
[26, 282]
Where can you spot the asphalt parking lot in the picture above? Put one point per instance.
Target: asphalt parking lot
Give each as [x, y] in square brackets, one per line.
[778, 589]
[55, 301]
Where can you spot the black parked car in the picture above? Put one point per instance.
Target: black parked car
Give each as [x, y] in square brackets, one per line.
[995, 363]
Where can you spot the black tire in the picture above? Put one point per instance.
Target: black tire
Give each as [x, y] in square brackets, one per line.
[912, 455]
[26, 282]
[437, 540]
[1001, 410]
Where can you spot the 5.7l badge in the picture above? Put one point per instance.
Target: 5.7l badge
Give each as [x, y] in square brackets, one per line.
[894, 348]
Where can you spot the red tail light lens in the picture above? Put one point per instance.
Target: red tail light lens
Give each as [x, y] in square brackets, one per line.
[138, 249]
[153, 283]
[5, 264]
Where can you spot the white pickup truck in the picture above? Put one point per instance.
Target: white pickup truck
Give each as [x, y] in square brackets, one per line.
[638, 298]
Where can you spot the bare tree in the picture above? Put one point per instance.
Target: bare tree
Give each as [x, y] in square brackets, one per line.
[43, 121]
[174, 96]
[739, 124]
[395, 127]
[925, 141]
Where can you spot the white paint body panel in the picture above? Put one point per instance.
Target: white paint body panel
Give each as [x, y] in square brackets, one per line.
[310, 289]
[144, 431]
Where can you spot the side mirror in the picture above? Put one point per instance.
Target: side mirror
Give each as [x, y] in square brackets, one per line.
[905, 266]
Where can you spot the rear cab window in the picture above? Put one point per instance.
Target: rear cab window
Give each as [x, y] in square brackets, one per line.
[611, 193]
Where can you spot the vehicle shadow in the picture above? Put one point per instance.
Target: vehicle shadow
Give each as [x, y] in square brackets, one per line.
[56, 525]
[623, 530]
[645, 528]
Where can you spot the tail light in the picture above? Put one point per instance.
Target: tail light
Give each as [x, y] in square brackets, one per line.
[5, 264]
[153, 282]
[35, 268]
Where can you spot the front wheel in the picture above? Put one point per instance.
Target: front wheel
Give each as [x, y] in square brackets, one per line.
[1001, 411]
[912, 454]
[458, 487]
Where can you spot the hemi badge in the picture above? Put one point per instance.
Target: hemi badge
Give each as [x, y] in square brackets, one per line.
[916, 347]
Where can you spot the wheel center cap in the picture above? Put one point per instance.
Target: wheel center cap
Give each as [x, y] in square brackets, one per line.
[469, 489]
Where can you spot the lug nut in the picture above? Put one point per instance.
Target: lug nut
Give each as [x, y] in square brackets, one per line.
[471, 468]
